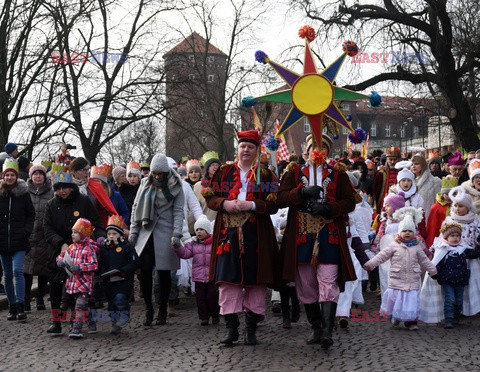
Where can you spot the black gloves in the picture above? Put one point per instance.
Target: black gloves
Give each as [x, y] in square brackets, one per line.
[319, 209]
[310, 192]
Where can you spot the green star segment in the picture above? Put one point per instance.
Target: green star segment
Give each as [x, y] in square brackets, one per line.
[311, 94]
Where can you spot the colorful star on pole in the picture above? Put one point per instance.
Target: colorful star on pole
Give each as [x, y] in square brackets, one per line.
[312, 94]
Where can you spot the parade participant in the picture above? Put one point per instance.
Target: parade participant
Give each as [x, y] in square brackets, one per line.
[401, 300]
[244, 243]
[473, 184]
[456, 167]
[41, 191]
[451, 254]
[440, 210]
[17, 216]
[145, 169]
[156, 225]
[81, 263]
[61, 214]
[117, 264]
[211, 165]
[119, 175]
[129, 189]
[314, 250]
[385, 177]
[200, 249]
[427, 185]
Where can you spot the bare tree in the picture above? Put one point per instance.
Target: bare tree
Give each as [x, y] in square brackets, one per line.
[441, 37]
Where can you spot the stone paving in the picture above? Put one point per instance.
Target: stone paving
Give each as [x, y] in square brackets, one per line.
[184, 345]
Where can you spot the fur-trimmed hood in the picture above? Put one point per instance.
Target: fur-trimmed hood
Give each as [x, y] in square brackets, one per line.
[20, 189]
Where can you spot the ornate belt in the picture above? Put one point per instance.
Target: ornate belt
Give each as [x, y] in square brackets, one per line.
[237, 219]
[308, 223]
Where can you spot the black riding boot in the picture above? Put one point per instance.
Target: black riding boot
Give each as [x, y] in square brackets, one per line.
[148, 315]
[231, 323]
[21, 311]
[251, 321]
[314, 317]
[329, 310]
[12, 314]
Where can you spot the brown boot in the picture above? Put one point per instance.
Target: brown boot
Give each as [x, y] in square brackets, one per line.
[171, 308]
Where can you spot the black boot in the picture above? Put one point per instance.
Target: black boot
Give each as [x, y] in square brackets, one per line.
[21, 311]
[295, 305]
[251, 321]
[329, 310]
[148, 315]
[231, 323]
[40, 303]
[55, 328]
[12, 314]
[314, 317]
[162, 315]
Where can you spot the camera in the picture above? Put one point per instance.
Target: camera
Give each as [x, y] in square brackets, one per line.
[71, 147]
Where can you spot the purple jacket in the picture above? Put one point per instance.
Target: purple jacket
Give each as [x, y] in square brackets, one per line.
[201, 258]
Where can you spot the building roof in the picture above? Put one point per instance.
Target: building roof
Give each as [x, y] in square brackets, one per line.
[194, 44]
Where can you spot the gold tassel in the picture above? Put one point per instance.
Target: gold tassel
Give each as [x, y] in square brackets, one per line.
[316, 249]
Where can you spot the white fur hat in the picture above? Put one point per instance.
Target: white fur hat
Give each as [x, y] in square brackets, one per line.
[403, 164]
[459, 195]
[409, 218]
[405, 173]
[203, 223]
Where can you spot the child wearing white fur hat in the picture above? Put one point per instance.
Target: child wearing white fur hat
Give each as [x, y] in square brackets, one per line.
[401, 300]
[199, 248]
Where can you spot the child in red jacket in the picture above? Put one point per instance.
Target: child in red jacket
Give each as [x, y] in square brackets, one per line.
[205, 291]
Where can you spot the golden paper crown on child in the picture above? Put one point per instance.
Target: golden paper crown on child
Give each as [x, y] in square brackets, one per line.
[134, 167]
[57, 168]
[109, 168]
[117, 223]
[84, 227]
[10, 165]
[99, 172]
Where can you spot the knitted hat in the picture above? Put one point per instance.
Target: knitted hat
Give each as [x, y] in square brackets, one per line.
[448, 183]
[354, 177]
[182, 171]
[10, 147]
[458, 195]
[117, 172]
[405, 173]
[193, 164]
[116, 223]
[409, 218]
[210, 162]
[474, 168]
[456, 159]
[203, 223]
[450, 227]
[172, 163]
[159, 163]
[23, 162]
[396, 201]
[10, 165]
[37, 168]
[83, 227]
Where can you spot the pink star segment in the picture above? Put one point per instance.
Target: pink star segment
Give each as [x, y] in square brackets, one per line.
[311, 94]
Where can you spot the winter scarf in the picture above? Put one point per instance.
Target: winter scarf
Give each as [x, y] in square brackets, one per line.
[447, 250]
[151, 197]
[467, 218]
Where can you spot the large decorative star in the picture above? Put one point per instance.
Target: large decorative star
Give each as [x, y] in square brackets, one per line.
[311, 94]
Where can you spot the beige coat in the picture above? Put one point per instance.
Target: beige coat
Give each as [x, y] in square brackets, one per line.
[407, 264]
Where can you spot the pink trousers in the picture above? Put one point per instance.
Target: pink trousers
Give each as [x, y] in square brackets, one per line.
[232, 299]
[317, 283]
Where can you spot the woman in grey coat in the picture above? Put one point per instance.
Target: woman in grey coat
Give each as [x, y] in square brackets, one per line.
[156, 225]
[36, 261]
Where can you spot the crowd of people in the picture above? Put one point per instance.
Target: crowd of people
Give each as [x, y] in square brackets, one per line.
[316, 230]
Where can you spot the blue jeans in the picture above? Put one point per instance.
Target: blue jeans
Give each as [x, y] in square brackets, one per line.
[12, 264]
[119, 306]
[453, 301]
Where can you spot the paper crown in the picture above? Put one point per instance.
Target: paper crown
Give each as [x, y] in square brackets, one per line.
[393, 152]
[99, 172]
[433, 154]
[208, 155]
[84, 227]
[117, 223]
[46, 163]
[134, 167]
[109, 168]
[57, 168]
[62, 177]
[448, 183]
[10, 164]
[191, 163]
[474, 168]
[144, 164]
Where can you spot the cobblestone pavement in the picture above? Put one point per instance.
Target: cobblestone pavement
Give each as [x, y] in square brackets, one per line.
[184, 345]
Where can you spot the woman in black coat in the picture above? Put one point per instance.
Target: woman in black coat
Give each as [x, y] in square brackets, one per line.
[62, 212]
[17, 215]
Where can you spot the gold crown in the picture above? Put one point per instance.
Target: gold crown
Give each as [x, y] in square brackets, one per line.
[449, 182]
[100, 172]
[10, 164]
[108, 167]
[84, 227]
[208, 155]
[393, 151]
[57, 168]
[116, 220]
